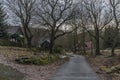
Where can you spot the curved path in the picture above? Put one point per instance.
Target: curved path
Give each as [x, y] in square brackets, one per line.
[76, 69]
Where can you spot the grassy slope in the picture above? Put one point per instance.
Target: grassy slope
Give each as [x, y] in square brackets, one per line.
[7, 73]
[13, 52]
[32, 71]
[103, 62]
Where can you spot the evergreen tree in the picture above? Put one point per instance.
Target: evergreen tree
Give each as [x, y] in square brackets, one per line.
[3, 24]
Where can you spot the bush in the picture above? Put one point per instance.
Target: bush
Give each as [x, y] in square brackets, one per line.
[46, 59]
[25, 60]
[113, 69]
[35, 49]
[4, 42]
[59, 50]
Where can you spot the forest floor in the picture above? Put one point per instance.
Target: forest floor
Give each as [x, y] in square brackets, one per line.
[108, 68]
[31, 72]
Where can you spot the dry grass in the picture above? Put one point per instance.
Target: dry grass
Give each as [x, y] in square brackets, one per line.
[32, 72]
[104, 61]
[13, 52]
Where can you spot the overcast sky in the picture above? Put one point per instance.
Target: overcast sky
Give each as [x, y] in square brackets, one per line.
[11, 17]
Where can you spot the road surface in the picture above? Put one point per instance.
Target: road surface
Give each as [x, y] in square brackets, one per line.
[76, 69]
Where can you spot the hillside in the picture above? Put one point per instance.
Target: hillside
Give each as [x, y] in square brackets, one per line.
[31, 72]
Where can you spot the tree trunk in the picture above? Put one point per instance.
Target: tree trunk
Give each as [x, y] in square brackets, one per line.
[84, 45]
[113, 51]
[117, 31]
[51, 47]
[91, 46]
[75, 50]
[52, 41]
[84, 50]
[75, 41]
[27, 35]
[114, 45]
[97, 50]
[115, 42]
[29, 42]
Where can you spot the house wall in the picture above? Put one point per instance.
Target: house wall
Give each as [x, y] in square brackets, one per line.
[38, 35]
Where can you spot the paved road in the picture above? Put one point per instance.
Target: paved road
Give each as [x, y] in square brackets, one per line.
[76, 69]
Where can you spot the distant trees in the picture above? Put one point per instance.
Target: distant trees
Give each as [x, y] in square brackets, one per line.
[108, 36]
[95, 18]
[115, 6]
[60, 17]
[75, 25]
[55, 15]
[3, 22]
[23, 9]
[75, 37]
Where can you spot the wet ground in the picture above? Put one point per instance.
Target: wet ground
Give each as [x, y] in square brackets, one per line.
[76, 69]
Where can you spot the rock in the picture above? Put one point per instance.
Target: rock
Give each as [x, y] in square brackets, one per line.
[63, 56]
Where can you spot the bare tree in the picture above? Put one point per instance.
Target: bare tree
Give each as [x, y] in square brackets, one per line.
[54, 14]
[97, 16]
[115, 6]
[83, 20]
[75, 24]
[23, 9]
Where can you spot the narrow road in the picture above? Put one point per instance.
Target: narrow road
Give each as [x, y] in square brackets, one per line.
[76, 69]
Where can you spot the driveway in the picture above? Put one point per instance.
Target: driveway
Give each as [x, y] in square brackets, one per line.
[76, 69]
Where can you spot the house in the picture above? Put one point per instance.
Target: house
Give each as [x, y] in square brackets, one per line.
[44, 44]
[15, 32]
[40, 36]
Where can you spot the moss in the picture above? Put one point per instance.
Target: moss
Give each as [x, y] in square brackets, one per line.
[34, 49]
[40, 61]
[105, 69]
[113, 69]
[43, 60]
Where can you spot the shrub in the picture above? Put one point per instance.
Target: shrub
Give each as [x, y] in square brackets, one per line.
[4, 42]
[25, 60]
[59, 50]
[46, 59]
[35, 49]
[40, 61]
[113, 69]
